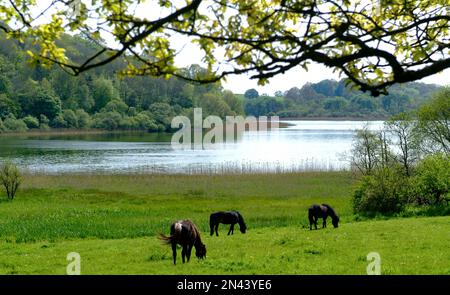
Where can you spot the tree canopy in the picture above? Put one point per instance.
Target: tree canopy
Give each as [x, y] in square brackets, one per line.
[373, 43]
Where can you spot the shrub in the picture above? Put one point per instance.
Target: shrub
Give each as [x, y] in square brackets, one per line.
[59, 122]
[44, 122]
[13, 124]
[70, 118]
[43, 119]
[31, 122]
[83, 119]
[384, 191]
[143, 121]
[11, 179]
[108, 120]
[432, 179]
[116, 105]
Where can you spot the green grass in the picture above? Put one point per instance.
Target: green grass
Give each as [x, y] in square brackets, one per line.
[113, 221]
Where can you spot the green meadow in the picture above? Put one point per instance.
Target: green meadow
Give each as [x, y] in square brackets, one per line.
[113, 222]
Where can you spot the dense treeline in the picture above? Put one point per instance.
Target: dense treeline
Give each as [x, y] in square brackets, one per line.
[330, 98]
[35, 97]
[38, 97]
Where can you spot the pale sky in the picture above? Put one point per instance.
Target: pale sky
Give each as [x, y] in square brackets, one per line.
[296, 77]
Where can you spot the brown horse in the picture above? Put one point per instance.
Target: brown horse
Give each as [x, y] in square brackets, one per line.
[322, 211]
[186, 234]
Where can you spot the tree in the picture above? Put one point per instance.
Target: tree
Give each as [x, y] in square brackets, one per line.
[402, 127]
[369, 151]
[326, 87]
[384, 191]
[31, 122]
[235, 104]
[103, 91]
[432, 179]
[374, 43]
[11, 179]
[70, 118]
[335, 104]
[293, 94]
[7, 106]
[40, 100]
[251, 93]
[278, 93]
[434, 122]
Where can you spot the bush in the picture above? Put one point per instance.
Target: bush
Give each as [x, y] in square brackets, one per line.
[31, 122]
[432, 179]
[11, 179]
[385, 191]
[116, 105]
[59, 122]
[44, 120]
[108, 120]
[13, 124]
[70, 118]
[83, 119]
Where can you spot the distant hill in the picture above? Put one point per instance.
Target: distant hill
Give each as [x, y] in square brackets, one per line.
[333, 99]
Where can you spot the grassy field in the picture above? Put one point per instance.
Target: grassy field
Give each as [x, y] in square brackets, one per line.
[113, 221]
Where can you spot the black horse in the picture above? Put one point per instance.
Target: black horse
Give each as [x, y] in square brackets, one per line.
[322, 211]
[186, 234]
[226, 217]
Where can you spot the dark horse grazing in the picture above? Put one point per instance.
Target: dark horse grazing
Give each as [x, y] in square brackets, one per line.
[186, 234]
[322, 211]
[226, 217]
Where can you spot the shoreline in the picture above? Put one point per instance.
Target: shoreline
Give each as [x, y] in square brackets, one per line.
[334, 119]
[64, 131]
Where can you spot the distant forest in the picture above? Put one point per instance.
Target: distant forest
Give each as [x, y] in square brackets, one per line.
[35, 97]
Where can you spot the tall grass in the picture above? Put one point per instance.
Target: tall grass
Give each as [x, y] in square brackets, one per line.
[130, 206]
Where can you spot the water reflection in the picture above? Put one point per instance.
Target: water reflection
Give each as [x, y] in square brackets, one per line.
[304, 145]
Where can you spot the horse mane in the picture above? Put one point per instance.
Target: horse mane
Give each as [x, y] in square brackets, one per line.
[331, 211]
[198, 239]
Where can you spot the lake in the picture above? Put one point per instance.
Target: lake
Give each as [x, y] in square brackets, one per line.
[302, 146]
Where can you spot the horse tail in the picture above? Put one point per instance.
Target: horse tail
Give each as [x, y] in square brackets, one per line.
[175, 230]
[166, 239]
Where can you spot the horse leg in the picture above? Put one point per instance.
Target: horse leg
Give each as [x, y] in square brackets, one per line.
[188, 253]
[211, 226]
[217, 228]
[324, 222]
[231, 229]
[183, 253]
[315, 222]
[174, 252]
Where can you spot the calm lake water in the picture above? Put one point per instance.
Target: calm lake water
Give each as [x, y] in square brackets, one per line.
[304, 145]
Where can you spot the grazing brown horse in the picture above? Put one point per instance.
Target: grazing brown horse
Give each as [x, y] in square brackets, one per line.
[226, 217]
[186, 234]
[322, 211]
